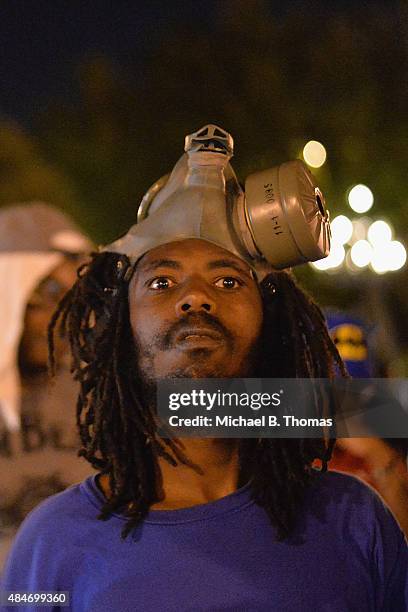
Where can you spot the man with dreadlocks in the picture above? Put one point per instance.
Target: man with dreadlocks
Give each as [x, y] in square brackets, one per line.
[194, 290]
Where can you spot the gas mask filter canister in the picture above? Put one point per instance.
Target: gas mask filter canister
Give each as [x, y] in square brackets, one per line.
[279, 221]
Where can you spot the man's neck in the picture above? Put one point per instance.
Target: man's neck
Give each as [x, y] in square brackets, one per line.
[216, 476]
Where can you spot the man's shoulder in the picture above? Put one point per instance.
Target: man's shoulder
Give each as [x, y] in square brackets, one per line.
[57, 512]
[337, 480]
[339, 488]
[352, 506]
[49, 539]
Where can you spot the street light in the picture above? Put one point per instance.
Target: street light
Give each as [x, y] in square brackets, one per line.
[361, 253]
[341, 229]
[368, 243]
[379, 233]
[333, 260]
[314, 154]
[360, 198]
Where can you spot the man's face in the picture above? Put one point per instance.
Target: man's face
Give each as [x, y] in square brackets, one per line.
[195, 312]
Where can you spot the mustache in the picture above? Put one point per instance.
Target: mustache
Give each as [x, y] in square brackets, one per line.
[195, 319]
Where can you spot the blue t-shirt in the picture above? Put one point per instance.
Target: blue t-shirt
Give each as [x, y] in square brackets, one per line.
[347, 553]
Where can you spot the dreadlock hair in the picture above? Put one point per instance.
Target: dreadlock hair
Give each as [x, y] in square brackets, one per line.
[118, 433]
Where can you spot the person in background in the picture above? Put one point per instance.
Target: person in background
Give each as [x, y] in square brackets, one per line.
[382, 463]
[40, 250]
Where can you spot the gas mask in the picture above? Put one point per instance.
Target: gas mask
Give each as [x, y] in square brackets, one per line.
[279, 221]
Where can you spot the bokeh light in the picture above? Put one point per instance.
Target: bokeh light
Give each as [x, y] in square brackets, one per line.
[396, 255]
[360, 198]
[341, 229]
[388, 256]
[333, 260]
[379, 232]
[361, 253]
[379, 261]
[314, 154]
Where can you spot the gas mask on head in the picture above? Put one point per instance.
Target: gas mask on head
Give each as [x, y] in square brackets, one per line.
[279, 221]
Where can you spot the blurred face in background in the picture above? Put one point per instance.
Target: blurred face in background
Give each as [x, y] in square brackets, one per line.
[33, 351]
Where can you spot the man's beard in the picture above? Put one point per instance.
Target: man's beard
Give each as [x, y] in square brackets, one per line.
[198, 369]
[200, 365]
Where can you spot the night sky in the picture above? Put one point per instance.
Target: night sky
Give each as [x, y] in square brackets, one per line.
[43, 41]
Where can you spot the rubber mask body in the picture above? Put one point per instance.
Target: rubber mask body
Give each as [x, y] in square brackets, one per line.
[199, 200]
[279, 222]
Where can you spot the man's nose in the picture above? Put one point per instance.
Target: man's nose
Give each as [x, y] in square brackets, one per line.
[196, 298]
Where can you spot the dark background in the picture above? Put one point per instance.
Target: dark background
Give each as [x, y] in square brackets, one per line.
[96, 98]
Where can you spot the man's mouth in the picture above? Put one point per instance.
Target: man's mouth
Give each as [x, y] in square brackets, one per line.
[198, 336]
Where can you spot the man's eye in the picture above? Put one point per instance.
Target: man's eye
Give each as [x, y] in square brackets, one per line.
[162, 282]
[228, 282]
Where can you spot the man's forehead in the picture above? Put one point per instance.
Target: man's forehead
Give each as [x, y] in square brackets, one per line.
[178, 255]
